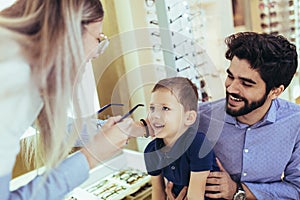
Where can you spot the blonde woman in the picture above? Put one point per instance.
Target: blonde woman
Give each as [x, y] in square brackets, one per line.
[43, 46]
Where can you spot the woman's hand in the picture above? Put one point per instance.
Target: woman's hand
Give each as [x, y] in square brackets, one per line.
[109, 140]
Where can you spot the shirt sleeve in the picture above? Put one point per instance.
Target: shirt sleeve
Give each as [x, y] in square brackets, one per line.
[288, 188]
[200, 154]
[61, 180]
[151, 159]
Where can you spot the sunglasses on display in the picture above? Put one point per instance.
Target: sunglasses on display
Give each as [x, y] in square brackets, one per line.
[180, 57]
[155, 33]
[180, 4]
[155, 22]
[183, 69]
[175, 19]
[268, 5]
[270, 25]
[271, 14]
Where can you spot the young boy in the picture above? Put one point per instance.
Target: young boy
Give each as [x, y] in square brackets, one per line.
[178, 153]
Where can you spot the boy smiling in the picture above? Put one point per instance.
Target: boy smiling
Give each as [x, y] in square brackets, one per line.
[174, 155]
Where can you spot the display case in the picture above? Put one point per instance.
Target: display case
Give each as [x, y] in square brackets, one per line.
[279, 17]
[121, 177]
[188, 36]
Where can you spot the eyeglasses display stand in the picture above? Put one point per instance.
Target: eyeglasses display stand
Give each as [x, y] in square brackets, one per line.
[281, 17]
[189, 35]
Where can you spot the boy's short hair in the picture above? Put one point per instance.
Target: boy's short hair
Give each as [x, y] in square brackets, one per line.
[184, 90]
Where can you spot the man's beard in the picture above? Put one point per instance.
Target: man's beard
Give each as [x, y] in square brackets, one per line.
[247, 108]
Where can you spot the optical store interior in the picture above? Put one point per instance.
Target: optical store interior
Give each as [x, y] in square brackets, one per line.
[151, 40]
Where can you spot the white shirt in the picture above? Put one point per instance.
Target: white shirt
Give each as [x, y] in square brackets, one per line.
[20, 104]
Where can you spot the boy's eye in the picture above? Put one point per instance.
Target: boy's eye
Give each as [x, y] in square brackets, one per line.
[165, 108]
[151, 108]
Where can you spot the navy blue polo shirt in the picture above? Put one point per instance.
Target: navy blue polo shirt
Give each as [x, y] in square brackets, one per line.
[191, 153]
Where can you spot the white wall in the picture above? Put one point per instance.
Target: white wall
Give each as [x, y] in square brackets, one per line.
[6, 3]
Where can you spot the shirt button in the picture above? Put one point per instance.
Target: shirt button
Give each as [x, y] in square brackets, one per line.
[173, 167]
[246, 150]
[249, 129]
[244, 174]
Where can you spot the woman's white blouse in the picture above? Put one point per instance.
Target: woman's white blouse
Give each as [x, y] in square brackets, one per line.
[20, 104]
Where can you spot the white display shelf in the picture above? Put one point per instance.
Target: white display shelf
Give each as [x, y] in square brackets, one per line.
[125, 160]
[103, 178]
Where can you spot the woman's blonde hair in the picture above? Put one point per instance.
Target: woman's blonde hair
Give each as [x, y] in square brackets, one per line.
[49, 33]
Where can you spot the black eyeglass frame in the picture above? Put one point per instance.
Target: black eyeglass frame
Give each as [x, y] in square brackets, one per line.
[107, 106]
[130, 112]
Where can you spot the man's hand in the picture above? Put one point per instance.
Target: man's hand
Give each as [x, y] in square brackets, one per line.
[171, 196]
[222, 185]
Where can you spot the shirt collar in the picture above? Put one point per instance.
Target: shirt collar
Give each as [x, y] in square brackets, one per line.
[180, 146]
[269, 118]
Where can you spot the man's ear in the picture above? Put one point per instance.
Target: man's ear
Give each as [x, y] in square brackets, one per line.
[274, 93]
[191, 117]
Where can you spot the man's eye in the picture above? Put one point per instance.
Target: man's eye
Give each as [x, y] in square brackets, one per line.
[246, 84]
[229, 76]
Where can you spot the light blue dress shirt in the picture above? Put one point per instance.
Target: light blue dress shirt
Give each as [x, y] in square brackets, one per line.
[69, 174]
[260, 154]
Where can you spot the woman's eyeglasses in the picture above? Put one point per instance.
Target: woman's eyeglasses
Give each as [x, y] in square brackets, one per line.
[103, 43]
[102, 39]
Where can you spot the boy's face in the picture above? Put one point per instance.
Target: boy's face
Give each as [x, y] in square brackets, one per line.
[166, 115]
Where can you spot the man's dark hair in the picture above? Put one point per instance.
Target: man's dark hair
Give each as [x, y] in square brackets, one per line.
[273, 57]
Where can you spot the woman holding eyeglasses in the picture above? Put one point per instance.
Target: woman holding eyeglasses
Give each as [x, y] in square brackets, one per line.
[43, 45]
